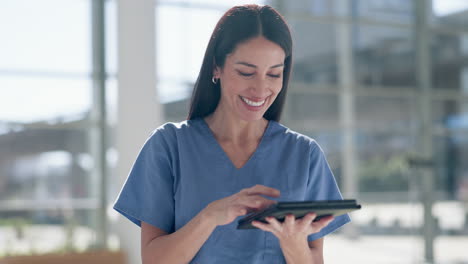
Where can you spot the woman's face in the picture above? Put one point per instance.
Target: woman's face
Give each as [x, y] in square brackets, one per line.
[251, 78]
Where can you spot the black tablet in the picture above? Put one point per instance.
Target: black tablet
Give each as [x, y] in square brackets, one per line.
[300, 209]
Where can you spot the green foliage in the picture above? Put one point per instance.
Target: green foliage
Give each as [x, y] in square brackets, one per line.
[15, 222]
[379, 174]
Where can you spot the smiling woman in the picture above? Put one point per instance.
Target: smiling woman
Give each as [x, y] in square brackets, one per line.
[251, 79]
[239, 33]
[193, 179]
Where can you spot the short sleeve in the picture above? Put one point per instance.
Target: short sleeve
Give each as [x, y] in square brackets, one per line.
[147, 194]
[322, 186]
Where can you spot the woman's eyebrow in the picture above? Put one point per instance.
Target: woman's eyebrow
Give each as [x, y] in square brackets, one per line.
[255, 66]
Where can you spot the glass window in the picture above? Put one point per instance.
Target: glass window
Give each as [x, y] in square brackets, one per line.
[47, 188]
[177, 65]
[208, 3]
[449, 54]
[34, 98]
[450, 13]
[45, 36]
[315, 111]
[48, 182]
[377, 113]
[313, 7]
[451, 122]
[395, 11]
[45, 164]
[450, 114]
[383, 165]
[384, 56]
[315, 52]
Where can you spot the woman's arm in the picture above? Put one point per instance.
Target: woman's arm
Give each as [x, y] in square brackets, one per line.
[303, 251]
[179, 247]
[316, 247]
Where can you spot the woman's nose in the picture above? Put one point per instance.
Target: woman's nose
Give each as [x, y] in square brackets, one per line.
[260, 85]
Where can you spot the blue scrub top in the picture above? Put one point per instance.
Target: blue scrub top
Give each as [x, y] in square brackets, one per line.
[182, 168]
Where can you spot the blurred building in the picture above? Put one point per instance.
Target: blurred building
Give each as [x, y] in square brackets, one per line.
[355, 89]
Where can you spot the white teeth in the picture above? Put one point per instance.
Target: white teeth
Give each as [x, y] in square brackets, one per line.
[252, 103]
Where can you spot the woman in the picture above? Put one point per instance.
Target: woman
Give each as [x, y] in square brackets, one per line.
[193, 180]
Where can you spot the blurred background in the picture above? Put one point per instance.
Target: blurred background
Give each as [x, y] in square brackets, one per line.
[382, 85]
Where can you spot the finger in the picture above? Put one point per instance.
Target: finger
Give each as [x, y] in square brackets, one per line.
[306, 221]
[263, 226]
[308, 218]
[327, 219]
[262, 190]
[242, 210]
[289, 220]
[275, 224]
[256, 202]
[320, 224]
[238, 210]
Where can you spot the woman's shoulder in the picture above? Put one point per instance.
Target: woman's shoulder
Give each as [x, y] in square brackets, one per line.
[170, 132]
[291, 136]
[284, 131]
[173, 128]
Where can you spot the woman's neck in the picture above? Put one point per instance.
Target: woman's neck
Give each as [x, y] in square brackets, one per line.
[229, 128]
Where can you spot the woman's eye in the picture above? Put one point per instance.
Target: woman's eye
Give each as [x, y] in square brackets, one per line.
[274, 75]
[245, 74]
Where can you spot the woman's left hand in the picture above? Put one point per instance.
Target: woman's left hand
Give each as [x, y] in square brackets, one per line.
[293, 230]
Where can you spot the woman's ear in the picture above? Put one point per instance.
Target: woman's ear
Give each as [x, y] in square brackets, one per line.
[216, 72]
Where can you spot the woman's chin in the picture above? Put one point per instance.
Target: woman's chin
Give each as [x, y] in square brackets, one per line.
[252, 117]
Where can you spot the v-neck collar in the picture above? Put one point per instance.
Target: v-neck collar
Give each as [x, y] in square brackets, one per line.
[220, 149]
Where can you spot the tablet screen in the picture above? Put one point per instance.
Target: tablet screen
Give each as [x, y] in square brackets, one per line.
[299, 209]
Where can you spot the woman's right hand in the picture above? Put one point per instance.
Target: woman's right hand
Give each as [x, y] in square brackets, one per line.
[225, 210]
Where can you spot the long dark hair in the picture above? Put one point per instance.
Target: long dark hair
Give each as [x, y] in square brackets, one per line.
[239, 24]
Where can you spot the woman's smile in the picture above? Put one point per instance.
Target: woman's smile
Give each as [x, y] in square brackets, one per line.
[252, 104]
